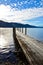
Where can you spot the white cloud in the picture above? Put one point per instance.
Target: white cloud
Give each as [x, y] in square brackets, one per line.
[4, 11]
[15, 4]
[14, 15]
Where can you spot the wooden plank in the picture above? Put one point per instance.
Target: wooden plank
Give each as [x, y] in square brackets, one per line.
[32, 53]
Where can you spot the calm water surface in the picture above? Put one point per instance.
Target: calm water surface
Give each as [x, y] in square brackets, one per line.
[36, 33]
[6, 40]
[7, 49]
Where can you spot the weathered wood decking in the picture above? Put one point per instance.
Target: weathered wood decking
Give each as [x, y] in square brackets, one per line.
[33, 49]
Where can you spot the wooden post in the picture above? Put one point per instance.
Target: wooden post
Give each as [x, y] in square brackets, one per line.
[25, 31]
[16, 43]
[14, 33]
[22, 30]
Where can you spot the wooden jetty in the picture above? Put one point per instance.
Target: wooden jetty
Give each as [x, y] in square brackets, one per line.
[32, 49]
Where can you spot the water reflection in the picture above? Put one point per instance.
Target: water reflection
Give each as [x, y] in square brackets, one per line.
[6, 40]
[3, 41]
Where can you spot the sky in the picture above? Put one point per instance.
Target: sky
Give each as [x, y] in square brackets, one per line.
[22, 11]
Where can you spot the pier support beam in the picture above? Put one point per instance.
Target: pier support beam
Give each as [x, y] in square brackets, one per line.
[16, 43]
[22, 30]
[25, 31]
[14, 33]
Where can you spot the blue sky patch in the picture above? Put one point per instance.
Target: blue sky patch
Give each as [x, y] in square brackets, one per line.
[22, 11]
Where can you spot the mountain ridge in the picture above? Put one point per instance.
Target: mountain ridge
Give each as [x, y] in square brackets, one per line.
[12, 24]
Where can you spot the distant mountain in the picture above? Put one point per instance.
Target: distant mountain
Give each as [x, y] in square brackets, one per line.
[6, 24]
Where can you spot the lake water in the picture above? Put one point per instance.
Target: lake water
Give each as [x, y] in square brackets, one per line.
[36, 33]
[6, 40]
[7, 48]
